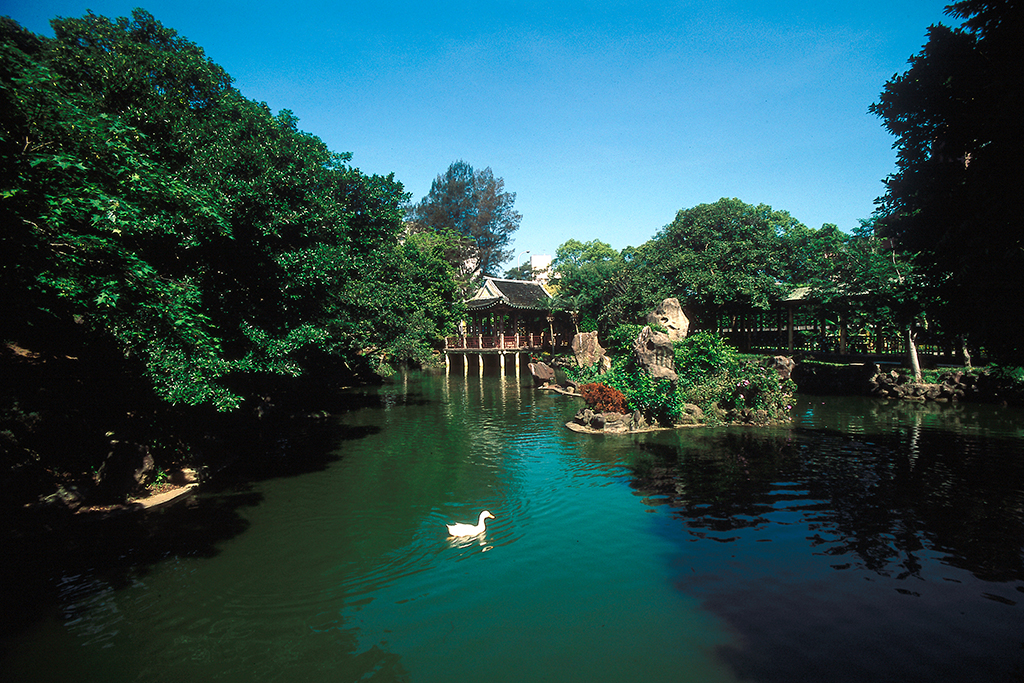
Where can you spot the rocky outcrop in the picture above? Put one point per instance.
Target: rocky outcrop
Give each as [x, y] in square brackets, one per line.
[783, 365]
[609, 422]
[588, 351]
[592, 422]
[868, 379]
[952, 386]
[654, 354]
[669, 314]
[542, 373]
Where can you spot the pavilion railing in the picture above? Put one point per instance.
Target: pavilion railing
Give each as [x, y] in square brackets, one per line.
[507, 341]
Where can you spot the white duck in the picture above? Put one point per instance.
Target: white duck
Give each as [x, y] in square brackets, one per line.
[469, 529]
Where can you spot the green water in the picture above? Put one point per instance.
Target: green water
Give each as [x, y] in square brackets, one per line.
[843, 547]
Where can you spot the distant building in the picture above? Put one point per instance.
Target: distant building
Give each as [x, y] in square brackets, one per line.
[541, 265]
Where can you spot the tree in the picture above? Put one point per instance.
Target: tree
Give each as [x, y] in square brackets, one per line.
[523, 271]
[153, 213]
[863, 278]
[714, 256]
[475, 205]
[582, 273]
[954, 199]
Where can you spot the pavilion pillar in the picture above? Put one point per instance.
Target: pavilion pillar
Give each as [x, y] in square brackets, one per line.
[842, 334]
[789, 327]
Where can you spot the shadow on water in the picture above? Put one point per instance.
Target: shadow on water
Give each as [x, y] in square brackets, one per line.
[878, 499]
[792, 533]
[108, 550]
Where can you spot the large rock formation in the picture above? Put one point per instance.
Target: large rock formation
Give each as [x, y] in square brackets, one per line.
[542, 372]
[669, 314]
[587, 349]
[654, 354]
[784, 366]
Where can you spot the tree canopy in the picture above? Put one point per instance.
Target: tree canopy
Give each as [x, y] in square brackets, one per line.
[712, 255]
[149, 207]
[953, 201]
[475, 205]
[583, 273]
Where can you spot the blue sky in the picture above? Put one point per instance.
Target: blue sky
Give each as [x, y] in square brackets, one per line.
[605, 118]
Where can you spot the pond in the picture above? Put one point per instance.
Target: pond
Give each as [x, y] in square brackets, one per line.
[867, 541]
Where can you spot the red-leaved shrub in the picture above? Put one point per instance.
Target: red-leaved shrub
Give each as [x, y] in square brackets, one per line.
[603, 398]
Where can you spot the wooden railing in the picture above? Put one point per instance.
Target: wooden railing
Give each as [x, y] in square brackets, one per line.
[508, 341]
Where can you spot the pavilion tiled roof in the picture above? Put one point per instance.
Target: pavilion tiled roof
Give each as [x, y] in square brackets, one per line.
[513, 293]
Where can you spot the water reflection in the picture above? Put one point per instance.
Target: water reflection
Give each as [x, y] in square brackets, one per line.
[904, 501]
[470, 542]
[864, 542]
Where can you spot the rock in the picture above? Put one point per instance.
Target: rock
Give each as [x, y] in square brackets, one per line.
[166, 498]
[784, 366]
[654, 354]
[125, 471]
[586, 349]
[184, 477]
[584, 417]
[669, 314]
[615, 423]
[542, 372]
[691, 415]
[587, 421]
[70, 498]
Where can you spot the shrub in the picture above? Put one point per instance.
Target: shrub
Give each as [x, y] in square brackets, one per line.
[657, 399]
[712, 375]
[620, 340]
[581, 376]
[749, 392]
[603, 398]
[703, 355]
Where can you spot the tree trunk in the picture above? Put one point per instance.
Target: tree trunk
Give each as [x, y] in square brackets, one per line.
[965, 355]
[915, 365]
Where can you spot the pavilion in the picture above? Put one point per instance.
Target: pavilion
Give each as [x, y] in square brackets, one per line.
[508, 317]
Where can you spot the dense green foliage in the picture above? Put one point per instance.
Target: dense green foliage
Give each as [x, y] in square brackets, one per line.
[711, 375]
[474, 205]
[150, 209]
[727, 386]
[953, 201]
[582, 273]
[867, 281]
[712, 255]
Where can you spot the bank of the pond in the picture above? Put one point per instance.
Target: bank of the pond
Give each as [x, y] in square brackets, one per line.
[869, 378]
